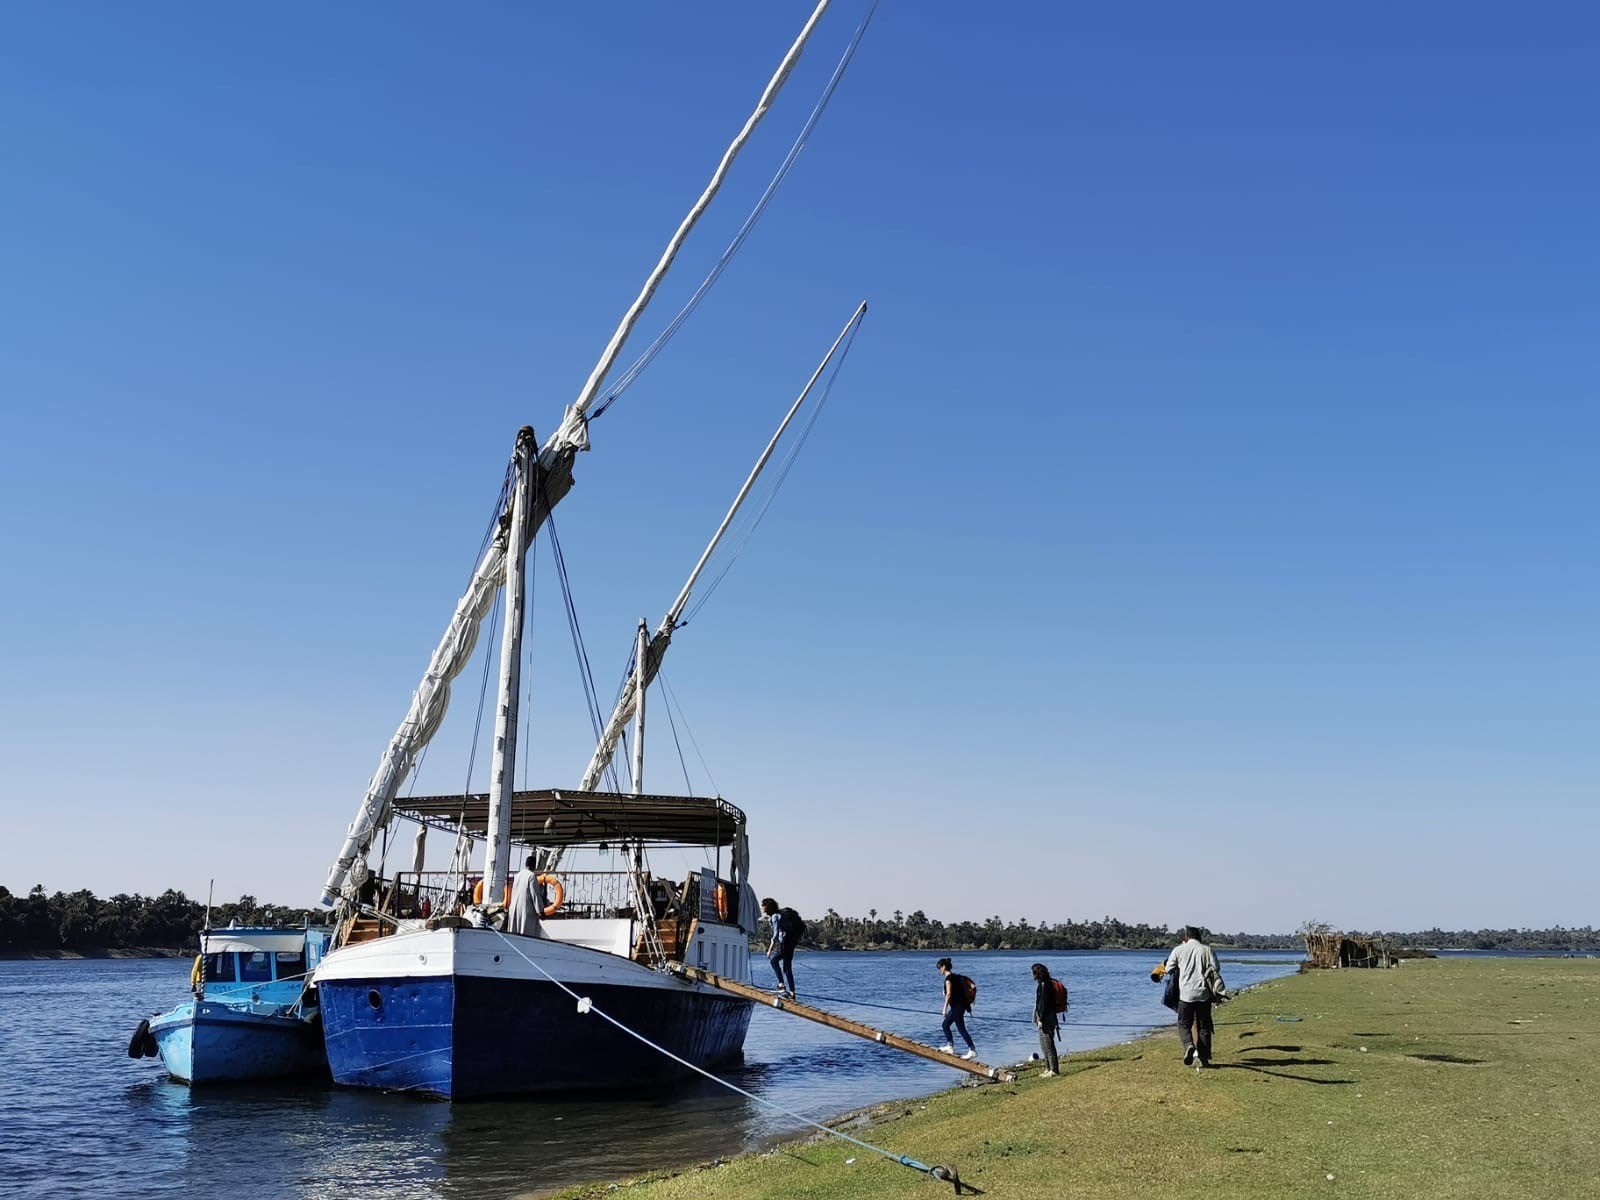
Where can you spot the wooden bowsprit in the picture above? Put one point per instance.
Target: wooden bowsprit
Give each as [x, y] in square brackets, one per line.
[842, 1024]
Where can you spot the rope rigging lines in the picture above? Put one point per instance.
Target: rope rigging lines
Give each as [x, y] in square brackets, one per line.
[639, 365]
[777, 483]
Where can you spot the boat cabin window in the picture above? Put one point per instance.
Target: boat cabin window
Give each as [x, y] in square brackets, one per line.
[255, 967]
[219, 968]
[290, 963]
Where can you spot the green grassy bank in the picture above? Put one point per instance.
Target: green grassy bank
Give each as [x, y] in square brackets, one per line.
[1438, 1078]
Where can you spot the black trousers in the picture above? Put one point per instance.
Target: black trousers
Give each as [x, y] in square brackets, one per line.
[1195, 1015]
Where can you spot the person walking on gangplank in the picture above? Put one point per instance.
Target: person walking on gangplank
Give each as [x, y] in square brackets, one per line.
[786, 929]
[959, 992]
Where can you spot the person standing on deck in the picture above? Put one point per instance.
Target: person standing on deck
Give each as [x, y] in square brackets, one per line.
[1199, 983]
[527, 902]
[780, 950]
[958, 993]
[1044, 1016]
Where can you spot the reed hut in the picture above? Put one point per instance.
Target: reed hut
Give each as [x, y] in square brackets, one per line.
[1330, 949]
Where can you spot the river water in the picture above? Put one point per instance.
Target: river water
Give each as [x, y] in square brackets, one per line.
[77, 1116]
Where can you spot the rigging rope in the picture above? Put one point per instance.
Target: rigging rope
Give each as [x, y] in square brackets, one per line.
[677, 745]
[923, 1012]
[637, 367]
[777, 483]
[705, 766]
[585, 671]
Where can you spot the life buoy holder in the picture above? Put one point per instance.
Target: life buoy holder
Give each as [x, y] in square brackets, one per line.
[557, 892]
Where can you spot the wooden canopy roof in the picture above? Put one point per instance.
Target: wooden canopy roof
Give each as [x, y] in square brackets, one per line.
[568, 817]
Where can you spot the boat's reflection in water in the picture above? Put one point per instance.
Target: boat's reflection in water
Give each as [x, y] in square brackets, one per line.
[316, 1140]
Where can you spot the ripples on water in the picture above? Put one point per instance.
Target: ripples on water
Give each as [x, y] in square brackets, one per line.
[77, 1116]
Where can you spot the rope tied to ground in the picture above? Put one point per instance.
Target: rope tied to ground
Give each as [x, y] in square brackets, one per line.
[586, 1005]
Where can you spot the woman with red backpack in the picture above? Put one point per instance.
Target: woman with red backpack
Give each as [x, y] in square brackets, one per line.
[1049, 1010]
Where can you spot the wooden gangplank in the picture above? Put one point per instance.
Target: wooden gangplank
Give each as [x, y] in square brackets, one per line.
[842, 1024]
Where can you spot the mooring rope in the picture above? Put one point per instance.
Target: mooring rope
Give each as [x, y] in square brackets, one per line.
[925, 1012]
[586, 1005]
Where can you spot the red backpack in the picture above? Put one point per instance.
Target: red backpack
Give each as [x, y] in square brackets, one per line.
[1058, 995]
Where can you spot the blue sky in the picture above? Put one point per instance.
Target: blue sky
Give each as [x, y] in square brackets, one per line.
[1202, 528]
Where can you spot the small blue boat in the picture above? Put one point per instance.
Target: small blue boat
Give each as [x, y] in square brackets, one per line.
[247, 1019]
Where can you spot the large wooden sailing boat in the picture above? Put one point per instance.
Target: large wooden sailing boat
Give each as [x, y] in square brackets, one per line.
[427, 990]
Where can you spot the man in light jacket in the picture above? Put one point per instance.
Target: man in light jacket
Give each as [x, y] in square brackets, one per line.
[1199, 983]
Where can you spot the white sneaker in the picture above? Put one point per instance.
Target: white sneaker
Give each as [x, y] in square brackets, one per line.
[970, 1054]
[948, 1048]
[1047, 1074]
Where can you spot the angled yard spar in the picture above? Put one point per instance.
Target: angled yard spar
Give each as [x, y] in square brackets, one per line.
[659, 641]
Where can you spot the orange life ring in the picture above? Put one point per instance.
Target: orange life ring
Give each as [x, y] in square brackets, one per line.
[724, 895]
[477, 893]
[551, 882]
[557, 892]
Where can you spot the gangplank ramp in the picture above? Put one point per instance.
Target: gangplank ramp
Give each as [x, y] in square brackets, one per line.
[843, 1024]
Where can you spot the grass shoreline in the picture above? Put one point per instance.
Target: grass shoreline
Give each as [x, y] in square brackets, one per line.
[1443, 1077]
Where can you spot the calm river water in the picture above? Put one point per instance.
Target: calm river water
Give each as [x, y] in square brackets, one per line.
[77, 1116]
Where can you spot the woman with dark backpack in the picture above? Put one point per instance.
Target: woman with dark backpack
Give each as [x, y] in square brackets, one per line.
[1049, 1010]
[786, 930]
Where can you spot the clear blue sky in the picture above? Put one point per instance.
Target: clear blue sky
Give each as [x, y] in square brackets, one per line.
[1203, 528]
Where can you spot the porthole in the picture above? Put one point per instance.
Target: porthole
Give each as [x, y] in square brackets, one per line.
[375, 998]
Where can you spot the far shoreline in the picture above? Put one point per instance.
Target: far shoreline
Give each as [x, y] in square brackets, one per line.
[91, 953]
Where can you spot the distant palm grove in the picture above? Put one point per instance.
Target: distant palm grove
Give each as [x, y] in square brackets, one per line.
[82, 922]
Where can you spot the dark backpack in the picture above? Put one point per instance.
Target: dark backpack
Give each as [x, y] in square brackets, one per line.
[963, 990]
[794, 925]
[1058, 995]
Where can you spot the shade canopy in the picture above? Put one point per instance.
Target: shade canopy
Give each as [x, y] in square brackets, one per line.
[568, 817]
[249, 941]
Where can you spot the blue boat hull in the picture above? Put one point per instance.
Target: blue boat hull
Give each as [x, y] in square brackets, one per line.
[208, 1042]
[464, 1036]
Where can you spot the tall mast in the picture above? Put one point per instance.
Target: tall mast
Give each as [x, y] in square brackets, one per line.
[657, 648]
[639, 681]
[556, 458]
[636, 856]
[502, 781]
